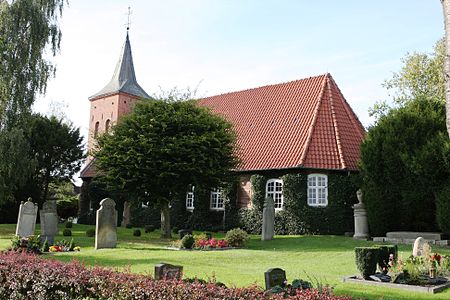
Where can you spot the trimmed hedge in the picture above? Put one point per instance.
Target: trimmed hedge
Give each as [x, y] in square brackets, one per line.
[31, 277]
[366, 260]
[384, 253]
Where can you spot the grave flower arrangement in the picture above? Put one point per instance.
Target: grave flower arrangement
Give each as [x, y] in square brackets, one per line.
[64, 246]
[29, 244]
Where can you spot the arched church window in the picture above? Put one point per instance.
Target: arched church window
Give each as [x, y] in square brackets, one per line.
[97, 124]
[107, 125]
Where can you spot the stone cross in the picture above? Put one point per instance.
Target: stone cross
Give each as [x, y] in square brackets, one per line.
[273, 277]
[268, 220]
[420, 244]
[106, 225]
[49, 221]
[26, 221]
[168, 271]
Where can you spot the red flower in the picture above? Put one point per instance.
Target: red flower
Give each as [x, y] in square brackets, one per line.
[222, 243]
[212, 243]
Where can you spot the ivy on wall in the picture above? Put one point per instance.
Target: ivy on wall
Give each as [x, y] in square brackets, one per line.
[297, 217]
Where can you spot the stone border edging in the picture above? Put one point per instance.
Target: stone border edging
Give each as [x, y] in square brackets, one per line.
[412, 288]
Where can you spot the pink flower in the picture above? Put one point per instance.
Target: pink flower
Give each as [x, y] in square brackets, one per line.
[212, 243]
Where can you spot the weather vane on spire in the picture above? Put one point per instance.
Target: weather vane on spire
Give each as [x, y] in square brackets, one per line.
[128, 21]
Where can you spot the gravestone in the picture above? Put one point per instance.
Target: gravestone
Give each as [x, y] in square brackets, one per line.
[49, 221]
[273, 277]
[268, 229]
[168, 271]
[106, 225]
[126, 213]
[360, 216]
[26, 221]
[183, 232]
[420, 244]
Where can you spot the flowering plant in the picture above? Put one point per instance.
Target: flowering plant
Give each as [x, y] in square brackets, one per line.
[435, 260]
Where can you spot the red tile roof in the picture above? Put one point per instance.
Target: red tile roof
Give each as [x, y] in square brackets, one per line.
[304, 123]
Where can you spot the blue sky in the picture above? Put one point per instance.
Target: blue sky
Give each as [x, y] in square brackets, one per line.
[229, 45]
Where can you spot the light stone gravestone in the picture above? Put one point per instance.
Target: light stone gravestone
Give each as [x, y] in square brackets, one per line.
[49, 221]
[106, 225]
[273, 277]
[268, 229]
[360, 215]
[168, 271]
[420, 246]
[26, 221]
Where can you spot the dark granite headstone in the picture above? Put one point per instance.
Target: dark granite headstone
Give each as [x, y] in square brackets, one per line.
[183, 232]
[168, 271]
[273, 277]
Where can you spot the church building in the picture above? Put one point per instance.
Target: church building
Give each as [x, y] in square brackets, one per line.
[298, 142]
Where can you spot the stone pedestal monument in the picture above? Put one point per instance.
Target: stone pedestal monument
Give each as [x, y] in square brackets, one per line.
[26, 221]
[49, 221]
[106, 225]
[268, 229]
[360, 214]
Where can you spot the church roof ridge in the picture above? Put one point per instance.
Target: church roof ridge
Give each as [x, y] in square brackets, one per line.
[124, 77]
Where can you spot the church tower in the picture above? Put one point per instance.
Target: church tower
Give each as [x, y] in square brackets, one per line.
[116, 98]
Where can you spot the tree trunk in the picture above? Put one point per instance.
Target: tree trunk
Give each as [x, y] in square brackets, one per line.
[165, 221]
[446, 9]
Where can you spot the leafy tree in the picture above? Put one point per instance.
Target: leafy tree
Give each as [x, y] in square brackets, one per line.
[57, 148]
[404, 164]
[66, 198]
[420, 77]
[27, 29]
[162, 147]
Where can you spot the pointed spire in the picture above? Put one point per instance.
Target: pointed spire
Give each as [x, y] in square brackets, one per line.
[124, 78]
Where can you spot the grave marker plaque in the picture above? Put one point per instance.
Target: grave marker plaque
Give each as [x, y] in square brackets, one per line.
[168, 271]
[26, 221]
[273, 277]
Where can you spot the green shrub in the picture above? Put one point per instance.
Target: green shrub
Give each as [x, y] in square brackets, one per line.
[67, 232]
[129, 226]
[69, 224]
[187, 241]
[251, 220]
[385, 252]
[236, 237]
[90, 232]
[366, 260]
[137, 232]
[149, 228]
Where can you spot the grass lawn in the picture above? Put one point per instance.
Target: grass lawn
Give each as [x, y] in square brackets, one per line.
[327, 258]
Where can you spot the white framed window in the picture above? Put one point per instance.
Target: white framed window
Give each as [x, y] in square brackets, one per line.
[217, 202]
[190, 198]
[274, 189]
[317, 190]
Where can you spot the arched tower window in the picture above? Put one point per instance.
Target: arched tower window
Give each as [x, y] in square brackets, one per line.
[107, 125]
[97, 124]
